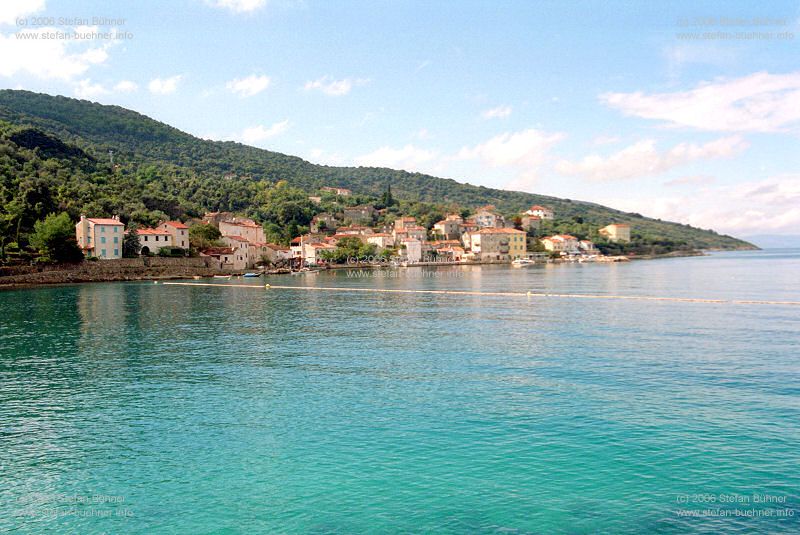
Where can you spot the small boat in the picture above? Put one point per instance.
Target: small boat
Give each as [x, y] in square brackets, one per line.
[197, 277]
[522, 262]
[250, 275]
[222, 276]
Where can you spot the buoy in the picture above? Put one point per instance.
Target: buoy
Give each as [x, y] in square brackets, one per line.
[155, 282]
[266, 286]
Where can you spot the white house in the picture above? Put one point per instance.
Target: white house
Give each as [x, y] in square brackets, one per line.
[413, 249]
[542, 212]
[561, 243]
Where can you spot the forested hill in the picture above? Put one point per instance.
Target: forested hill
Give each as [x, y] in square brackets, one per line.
[181, 175]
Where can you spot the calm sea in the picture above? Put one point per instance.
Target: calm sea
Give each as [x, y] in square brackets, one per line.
[143, 408]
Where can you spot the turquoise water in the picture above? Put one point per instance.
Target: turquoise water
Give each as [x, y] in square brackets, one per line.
[142, 408]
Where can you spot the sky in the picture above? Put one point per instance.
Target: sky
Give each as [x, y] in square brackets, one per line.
[685, 111]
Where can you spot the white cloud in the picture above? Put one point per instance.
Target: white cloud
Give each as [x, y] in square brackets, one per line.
[239, 6]
[769, 206]
[759, 102]
[422, 134]
[248, 86]
[691, 180]
[47, 58]
[498, 112]
[643, 159]
[85, 89]
[410, 158]
[10, 10]
[605, 140]
[125, 86]
[527, 148]
[164, 86]
[256, 134]
[334, 88]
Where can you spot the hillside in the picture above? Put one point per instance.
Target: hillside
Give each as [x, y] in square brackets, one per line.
[161, 169]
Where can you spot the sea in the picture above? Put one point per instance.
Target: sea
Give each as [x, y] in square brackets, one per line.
[512, 403]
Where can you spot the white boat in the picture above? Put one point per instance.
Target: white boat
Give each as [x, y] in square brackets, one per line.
[222, 276]
[522, 262]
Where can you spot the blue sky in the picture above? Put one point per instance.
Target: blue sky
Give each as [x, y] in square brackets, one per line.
[688, 111]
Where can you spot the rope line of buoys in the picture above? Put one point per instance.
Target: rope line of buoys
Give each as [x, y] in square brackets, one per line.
[495, 294]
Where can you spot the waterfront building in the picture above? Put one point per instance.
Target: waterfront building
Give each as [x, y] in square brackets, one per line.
[151, 240]
[179, 233]
[561, 243]
[382, 240]
[497, 244]
[413, 250]
[100, 237]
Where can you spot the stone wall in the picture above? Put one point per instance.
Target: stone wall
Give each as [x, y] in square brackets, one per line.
[108, 270]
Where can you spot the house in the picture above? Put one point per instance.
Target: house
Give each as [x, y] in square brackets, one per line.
[413, 250]
[452, 253]
[587, 247]
[355, 230]
[401, 222]
[485, 217]
[449, 228]
[241, 247]
[561, 243]
[322, 222]
[617, 232]
[497, 244]
[344, 192]
[530, 222]
[359, 214]
[226, 256]
[100, 237]
[246, 228]
[312, 253]
[151, 240]
[543, 212]
[213, 218]
[382, 240]
[416, 232]
[179, 233]
[275, 254]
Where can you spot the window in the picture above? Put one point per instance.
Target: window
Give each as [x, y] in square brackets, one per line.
[102, 239]
[103, 252]
[102, 229]
[116, 230]
[116, 239]
[116, 252]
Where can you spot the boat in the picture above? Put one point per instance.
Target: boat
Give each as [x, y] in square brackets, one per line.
[222, 276]
[522, 262]
[249, 275]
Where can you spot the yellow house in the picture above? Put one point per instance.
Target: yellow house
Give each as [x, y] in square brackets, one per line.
[100, 237]
[617, 232]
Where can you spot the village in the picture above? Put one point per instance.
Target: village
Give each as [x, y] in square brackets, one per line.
[484, 236]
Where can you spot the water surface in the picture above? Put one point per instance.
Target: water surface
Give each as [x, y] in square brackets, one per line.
[142, 408]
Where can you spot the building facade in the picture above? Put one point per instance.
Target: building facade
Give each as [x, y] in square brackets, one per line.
[100, 237]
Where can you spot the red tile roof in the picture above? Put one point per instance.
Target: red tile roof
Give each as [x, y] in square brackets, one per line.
[151, 231]
[104, 221]
[500, 231]
[176, 224]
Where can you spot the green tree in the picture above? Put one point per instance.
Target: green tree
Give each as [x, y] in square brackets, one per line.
[54, 238]
[131, 243]
[202, 236]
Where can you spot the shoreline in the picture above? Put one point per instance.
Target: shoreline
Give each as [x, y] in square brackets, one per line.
[100, 272]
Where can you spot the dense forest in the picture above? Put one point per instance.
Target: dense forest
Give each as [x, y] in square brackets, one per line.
[59, 154]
